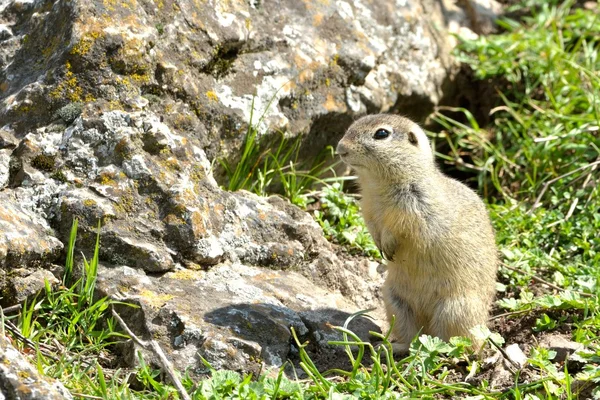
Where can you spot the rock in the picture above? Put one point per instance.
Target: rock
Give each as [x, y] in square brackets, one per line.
[20, 380]
[501, 376]
[4, 164]
[561, 345]
[158, 203]
[235, 316]
[23, 283]
[303, 67]
[26, 243]
[516, 355]
[492, 359]
[482, 14]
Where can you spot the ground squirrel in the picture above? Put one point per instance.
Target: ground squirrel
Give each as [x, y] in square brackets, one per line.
[433, 230]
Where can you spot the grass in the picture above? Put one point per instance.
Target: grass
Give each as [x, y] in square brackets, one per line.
[268, 166]
[341, 221]
[70, 327]
[536, 164]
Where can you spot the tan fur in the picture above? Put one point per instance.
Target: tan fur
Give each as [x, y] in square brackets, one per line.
[434, 230]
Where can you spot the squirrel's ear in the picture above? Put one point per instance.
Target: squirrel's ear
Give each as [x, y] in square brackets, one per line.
[412, 138]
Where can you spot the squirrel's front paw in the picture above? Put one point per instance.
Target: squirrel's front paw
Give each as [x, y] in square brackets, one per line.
[388, 246]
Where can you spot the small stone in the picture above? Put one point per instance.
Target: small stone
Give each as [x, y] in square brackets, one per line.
[516, 355]
[249, 347]
[501, 377]
[25, 239]
[138, 102]
[561, 345]
[491, 360]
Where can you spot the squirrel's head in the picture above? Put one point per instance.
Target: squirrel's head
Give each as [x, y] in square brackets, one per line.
[386, 145]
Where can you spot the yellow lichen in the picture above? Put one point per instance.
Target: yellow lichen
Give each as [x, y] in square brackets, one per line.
[172, 164]
[24, 108]
[111, 5]
[334, 60]
[89, 203]
[126, 203]
[184, 274]
[212, 96]
[115, 105]
[69, 88]
[155, 300]
[84, 45]
[140, 78]
[106, 178]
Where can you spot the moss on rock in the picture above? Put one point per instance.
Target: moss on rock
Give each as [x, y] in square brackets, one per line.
[44, 162]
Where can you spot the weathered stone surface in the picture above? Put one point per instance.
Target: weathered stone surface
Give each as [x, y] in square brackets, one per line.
[234, 315]
[23, 283]
[153, 192]
[305, 66]
[26, 243]
[562, 345]
[24, 236]
[20, 380]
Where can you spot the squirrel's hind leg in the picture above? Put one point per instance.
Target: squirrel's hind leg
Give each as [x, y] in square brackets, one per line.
[405, 324]
[457, 316]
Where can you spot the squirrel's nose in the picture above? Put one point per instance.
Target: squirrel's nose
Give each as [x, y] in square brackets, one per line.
[341, 149]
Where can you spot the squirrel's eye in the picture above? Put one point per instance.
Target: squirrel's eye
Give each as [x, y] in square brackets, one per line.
[381, 134]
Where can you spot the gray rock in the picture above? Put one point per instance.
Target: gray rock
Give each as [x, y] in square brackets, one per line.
[235, 316]
[561, 344]
[20, 380]
[25, 238]
[4, 165]
[306, 67]
[23, 283]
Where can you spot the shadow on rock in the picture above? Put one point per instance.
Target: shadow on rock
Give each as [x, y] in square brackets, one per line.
[265, 328]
